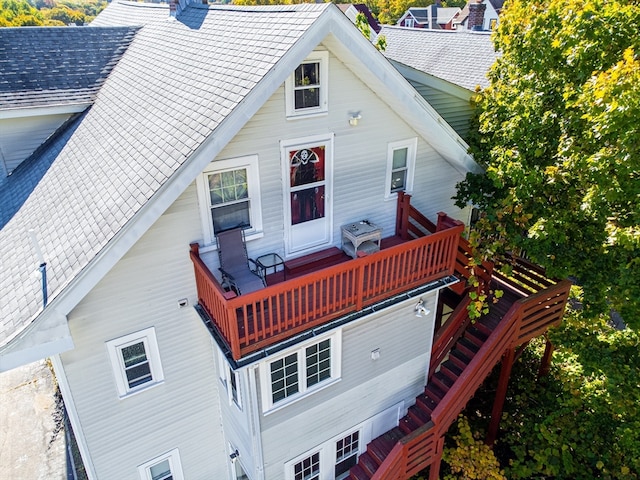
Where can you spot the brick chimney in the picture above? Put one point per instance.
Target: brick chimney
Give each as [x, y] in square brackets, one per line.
[476, 15]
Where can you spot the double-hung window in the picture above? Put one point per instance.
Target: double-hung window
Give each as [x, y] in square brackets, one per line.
[401, 159]
[164, 467]
[229, 191]
[294, 374]
[306, 90]
[135, 360]
[308, 468]
[346, 454]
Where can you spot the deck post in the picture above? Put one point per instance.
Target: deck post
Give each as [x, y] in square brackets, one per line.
[545, 363]
[434, 469]
[402, 215]
[501, 393]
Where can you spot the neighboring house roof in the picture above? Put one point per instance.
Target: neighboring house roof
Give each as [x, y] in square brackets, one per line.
[48, 66]
[183, 89]
[462, 58]
[443, 15]
[16, 188]
[362, 8]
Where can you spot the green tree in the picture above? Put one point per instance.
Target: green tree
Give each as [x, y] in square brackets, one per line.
[558, 135]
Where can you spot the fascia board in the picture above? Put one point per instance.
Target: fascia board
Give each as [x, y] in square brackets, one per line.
[43, 111]
[399, 94]
[433, 81]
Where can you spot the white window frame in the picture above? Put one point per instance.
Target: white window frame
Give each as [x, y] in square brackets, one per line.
[173, 456]
[268, 406]
[410, 22]
[226, 374]
[321, 57]
[250, 163]
[114, 347]
[367, 431]
[412, 146]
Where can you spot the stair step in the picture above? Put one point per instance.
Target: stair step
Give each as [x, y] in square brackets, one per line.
[426, 404]
[467, 347]
[357, 473]
[483, 328]
[450, 368]
[368, 464]
[380, 447]
[434, 392]
[459, 358]
[418, 414]
[408, 424]
[442, 381]
[476, 336]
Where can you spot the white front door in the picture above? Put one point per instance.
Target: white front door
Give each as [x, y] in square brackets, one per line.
[308, 211]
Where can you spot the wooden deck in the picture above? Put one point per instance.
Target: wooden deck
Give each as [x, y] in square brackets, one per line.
[307, 299]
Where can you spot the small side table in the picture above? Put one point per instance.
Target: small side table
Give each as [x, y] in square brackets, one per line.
[270, 260]
[360, 237]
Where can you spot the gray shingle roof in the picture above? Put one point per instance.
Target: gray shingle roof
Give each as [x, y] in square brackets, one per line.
[57, 65]
[462, 58]
[173, 87]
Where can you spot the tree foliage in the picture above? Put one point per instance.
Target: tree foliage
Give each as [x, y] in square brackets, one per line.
[558, 135]
[582, 420]
[23, 13]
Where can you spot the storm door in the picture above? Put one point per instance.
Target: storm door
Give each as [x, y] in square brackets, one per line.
[307, 195]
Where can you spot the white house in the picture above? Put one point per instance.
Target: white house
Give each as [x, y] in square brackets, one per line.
[203, 123]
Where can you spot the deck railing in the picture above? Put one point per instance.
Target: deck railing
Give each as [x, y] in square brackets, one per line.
[262, 318]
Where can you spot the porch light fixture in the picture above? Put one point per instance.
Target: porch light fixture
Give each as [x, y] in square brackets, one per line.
[421, 310]
[353, 118]
[234, 456]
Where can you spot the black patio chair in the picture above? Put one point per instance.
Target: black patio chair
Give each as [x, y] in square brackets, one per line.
[239, 272]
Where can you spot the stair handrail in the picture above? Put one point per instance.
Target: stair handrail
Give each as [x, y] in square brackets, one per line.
[458, 395]
[449, 333]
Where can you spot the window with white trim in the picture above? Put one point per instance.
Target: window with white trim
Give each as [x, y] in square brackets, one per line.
[135, 359]
[306, 90]
[308, 468]
[230, 380]
[401, 159]
[295, 374]
[347, 449]
[333, 458]
[229, 191]
[164, 467]
[409, 22]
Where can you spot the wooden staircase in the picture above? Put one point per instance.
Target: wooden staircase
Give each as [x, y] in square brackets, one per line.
[463, 355]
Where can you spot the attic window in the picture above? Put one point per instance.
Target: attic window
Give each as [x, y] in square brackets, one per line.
[306, 88]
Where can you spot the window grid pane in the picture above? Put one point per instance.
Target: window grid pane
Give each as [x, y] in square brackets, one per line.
[136, 364]
[284, 377]
[307, 86]
[308, 469]
[161, 471]
[234, 386]
[346, 455]
[318, 359]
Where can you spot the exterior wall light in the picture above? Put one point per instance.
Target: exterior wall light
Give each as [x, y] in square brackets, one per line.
[421, 310]
[353, 118]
